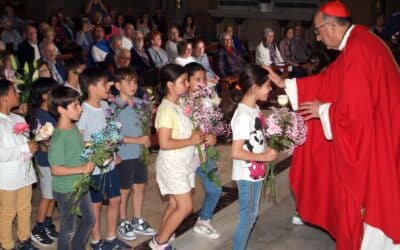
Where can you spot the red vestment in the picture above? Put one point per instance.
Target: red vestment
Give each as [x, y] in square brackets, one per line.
[360, 168]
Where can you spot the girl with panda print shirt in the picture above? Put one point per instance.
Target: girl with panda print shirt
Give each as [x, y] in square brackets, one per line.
[249, 150]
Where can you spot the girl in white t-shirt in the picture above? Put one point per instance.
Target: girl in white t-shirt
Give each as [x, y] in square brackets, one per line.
[175, 164]
[249, 149]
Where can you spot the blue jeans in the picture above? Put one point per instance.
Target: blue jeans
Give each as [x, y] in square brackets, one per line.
[249, 201]
[71, 236]
[212, 192]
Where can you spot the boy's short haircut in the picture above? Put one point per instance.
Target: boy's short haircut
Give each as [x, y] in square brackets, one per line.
[72, 65]
[61, 96]
[124, 74]
[5, 86]
[90, 76]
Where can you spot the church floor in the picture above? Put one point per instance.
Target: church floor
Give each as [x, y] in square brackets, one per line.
[273, 230]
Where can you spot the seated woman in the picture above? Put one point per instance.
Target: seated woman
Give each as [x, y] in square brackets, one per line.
[188, 28]
[229, 61]
[267, 52]
[157, 54]
[145, 25]
[200, 55]
[184, 53]
[236, 41]
[286, 48]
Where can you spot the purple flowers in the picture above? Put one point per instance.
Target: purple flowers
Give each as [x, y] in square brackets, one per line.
[203, 109]
[285, 130]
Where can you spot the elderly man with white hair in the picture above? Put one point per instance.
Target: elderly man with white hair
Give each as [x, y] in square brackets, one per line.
[141, 60]
[267, 52]
[49, 53]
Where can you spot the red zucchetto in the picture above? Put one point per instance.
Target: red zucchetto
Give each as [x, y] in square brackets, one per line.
[335, 8]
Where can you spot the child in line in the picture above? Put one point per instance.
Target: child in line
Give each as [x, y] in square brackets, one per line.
[175, 164]
[197, 76]
[73, 68]
[16, 172]
[94, 84]
[66, 145]
[44, 232]
[249, 149]
[132, 173]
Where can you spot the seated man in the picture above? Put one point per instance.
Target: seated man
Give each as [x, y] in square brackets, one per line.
[49, 53]
[142, 62]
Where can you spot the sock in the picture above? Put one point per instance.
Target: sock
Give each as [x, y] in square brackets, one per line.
[95, 241]
[48, 220]
[135, 220]
[111, 238]
[40, 225]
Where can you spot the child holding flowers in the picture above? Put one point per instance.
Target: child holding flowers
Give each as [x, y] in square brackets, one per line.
[44, 232]
[175, 164]
[16, 172]
[249, 150]
[132, 173]
[66, 144]
[197, 76]
[94, 85]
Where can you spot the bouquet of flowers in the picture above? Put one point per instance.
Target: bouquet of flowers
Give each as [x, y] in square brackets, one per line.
[99, 151]
[40, 134]
[144, 109]
[203, 109]
[24, 82]
[285, 130]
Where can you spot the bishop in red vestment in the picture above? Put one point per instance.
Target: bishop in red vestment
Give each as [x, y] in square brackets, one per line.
[346, 177]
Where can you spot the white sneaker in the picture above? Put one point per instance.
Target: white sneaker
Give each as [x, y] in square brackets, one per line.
[125, 230]
[205, 228]
[296, 220]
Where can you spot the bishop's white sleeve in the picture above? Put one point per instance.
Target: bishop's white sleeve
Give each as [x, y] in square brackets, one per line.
[324, 117]
[291, 92]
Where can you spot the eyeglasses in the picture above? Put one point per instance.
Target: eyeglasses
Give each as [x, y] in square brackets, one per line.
[317, 29]
[125, 58]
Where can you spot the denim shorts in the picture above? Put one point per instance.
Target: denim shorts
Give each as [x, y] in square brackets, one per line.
[106, 184]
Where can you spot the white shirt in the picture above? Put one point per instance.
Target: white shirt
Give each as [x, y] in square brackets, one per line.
[78, 88]
[263, 56]
[36, 48]
[183, 61]
[16, 170]
[126, 43]
[245, 126]
[92, 121]
[172, 50]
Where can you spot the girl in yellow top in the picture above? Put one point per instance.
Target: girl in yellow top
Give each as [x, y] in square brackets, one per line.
[175, 165]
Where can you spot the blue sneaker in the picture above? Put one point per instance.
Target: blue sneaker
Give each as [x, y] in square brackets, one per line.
[26, 245]
[116, 244]
[97, 246]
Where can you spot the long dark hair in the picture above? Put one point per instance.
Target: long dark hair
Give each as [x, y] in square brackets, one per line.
[40, 87]
[192, 68]
[168, 73]
[252, 74]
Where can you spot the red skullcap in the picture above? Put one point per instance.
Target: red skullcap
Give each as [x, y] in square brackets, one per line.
[335, 8]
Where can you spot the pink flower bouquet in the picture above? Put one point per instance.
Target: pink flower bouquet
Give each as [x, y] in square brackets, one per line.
[203, 109]
[284, 132]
